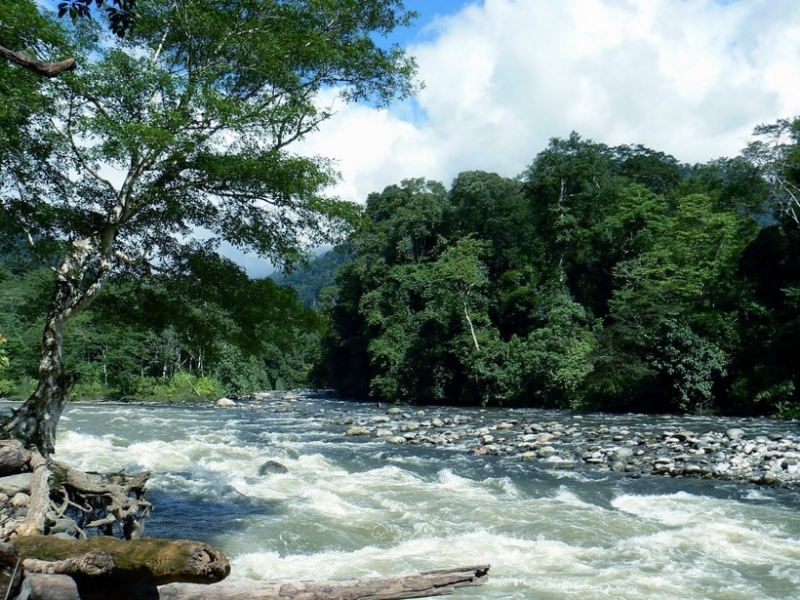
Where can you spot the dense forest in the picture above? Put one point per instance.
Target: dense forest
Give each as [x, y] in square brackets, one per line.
[613, 278]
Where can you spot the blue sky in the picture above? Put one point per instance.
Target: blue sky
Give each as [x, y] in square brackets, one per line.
[691, 78]
[687, 77]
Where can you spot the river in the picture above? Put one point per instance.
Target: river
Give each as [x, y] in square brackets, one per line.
[357, 506]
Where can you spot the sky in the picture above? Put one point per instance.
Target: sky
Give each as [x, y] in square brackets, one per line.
[502, 77]
[691, 78]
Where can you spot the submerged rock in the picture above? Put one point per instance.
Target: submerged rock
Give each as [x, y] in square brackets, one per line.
[272, 467]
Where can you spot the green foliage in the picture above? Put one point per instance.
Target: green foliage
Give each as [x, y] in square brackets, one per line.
[199, 140]
[314, 282]
[601, 278]
[205, 330]
[181, 387]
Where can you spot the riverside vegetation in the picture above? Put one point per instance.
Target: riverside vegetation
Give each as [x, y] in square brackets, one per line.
[196, 140]
[601, 278]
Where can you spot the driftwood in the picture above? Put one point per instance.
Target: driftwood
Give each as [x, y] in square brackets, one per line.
[90, 500]
[419, 585]
[146, 560]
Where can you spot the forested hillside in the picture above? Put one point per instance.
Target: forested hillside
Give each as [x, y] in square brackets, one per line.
[314, 282]
[600, 278]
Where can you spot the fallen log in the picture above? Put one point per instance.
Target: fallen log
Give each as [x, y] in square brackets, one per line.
[419, 585]
[146, 560]
[14, 457]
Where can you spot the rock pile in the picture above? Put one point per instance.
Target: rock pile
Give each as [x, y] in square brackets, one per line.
[733, 454]
[572, 442]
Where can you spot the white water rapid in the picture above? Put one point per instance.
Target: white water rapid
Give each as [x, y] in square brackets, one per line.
[354, 507]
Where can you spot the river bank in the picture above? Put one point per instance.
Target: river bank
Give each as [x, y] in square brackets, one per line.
[749, 452]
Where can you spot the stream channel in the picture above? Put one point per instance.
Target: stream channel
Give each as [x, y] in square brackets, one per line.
[352, 507]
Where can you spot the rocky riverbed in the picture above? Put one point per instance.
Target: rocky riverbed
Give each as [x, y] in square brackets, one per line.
[575, 441]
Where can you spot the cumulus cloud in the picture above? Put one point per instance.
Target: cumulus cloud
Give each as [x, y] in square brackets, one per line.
[687, 77]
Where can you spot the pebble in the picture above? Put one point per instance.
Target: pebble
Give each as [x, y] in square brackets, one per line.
[583, 441]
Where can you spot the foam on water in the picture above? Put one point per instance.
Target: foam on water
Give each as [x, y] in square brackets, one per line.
[357, 507]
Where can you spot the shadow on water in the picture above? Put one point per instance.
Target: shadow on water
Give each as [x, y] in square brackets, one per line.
[205, 517]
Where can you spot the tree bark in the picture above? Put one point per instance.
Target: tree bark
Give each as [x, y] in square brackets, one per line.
[147, 560]
[42, 68]
[80, 278]
[40, 497]
[419, 585]
[34, 423]
[14, 458]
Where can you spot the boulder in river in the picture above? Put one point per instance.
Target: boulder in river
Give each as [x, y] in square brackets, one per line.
[735, 433]
[272, 467]
[357, 430]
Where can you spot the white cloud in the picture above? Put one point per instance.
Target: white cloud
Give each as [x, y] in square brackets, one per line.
[687, 77]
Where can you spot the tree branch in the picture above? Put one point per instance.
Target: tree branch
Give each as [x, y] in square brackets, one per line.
[42, 68]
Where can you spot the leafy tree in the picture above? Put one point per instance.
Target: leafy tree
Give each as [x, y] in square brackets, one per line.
[570, 187]
[658, 172]
[489, 208]
[679, 301]
[120, 14]
[197, 137]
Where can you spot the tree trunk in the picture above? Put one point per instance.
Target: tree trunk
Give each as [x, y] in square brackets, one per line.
[34, 423]
[79, 279]
[146, 560]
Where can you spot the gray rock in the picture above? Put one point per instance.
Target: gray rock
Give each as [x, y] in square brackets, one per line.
[20, 499]
[225, 403]
[357, 430]
[396, 439]
[14, 484]
[735, 433]
[621, 454]
[64, 525]
[546, 452]
[272, 467]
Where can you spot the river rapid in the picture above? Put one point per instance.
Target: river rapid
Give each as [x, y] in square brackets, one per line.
[353, 507]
